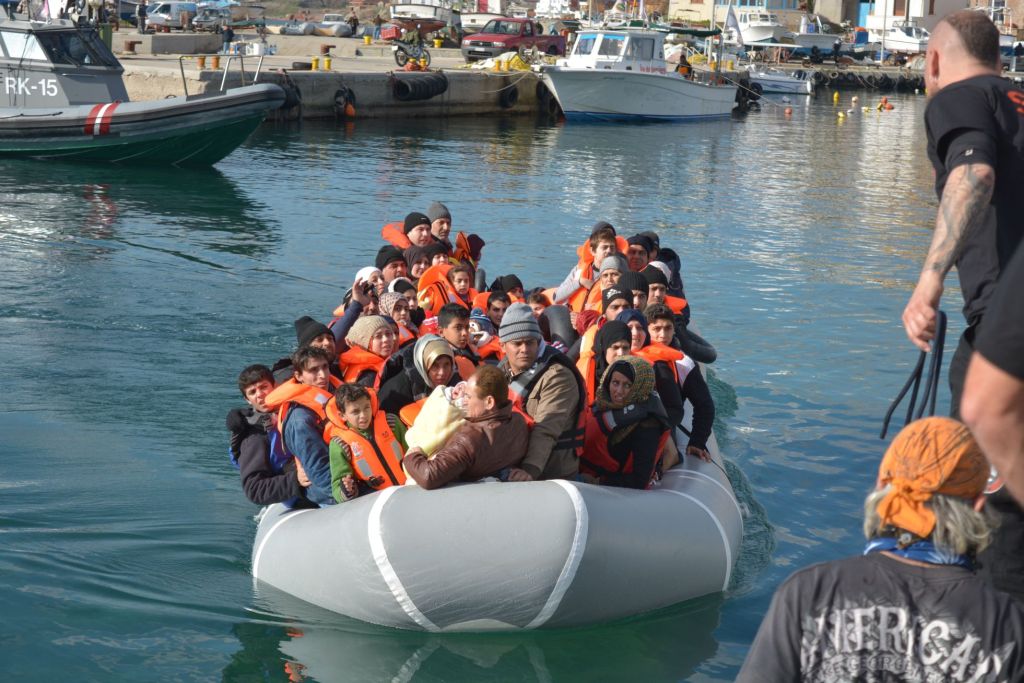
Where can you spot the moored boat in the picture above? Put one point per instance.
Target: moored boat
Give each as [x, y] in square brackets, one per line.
[66, 99]
[622, 74]
[902, 36]
[765, 79]
[506, 556]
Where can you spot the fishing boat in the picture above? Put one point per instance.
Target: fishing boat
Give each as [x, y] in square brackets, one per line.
[425, 15]
[813, 34]
[480, 13]
[758, 25]
[492, 556]
[903, 36]
[66, 99]
[621, 74]
[766, 79]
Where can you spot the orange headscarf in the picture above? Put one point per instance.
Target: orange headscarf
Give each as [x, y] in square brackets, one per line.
[929, 456]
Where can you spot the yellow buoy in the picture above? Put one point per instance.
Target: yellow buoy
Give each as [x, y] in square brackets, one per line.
[842, 115]
[835, 97]
[855, 99]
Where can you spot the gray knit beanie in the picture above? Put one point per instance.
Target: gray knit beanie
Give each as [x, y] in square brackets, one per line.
[438, 210]
[518, 323]
[614, 262]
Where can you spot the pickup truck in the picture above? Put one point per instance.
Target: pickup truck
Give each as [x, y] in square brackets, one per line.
[509, 35]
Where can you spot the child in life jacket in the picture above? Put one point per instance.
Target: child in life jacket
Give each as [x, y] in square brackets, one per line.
[453, 327]
[461, 279]
[366, 445]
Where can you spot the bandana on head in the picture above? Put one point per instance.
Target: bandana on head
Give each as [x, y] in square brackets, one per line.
[929, 456]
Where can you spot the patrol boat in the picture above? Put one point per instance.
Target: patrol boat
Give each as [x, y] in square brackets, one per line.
[621, 74]
[65, 98]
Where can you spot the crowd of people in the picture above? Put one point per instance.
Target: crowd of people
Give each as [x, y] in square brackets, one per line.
[426, 375]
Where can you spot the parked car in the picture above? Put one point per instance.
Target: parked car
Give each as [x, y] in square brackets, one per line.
[169, 13]
[506, 35]
[211, 19]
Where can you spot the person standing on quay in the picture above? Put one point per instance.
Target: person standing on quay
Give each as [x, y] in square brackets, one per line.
[976, 145]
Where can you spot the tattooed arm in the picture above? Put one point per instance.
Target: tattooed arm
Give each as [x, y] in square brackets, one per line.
[964, 202]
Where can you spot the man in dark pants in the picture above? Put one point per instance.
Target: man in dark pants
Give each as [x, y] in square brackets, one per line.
[976, 145]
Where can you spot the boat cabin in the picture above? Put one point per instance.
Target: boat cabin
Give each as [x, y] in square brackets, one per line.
[57, 64]
[621, 50]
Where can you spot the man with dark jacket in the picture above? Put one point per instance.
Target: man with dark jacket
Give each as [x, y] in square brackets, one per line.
[268, 473]
[494, 437]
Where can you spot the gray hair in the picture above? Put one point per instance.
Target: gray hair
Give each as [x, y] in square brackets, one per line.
[959, 528]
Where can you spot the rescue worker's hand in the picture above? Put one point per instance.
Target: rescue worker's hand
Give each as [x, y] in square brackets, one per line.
[300, 473]
[922, 310]
[516, 474]
[701, 453]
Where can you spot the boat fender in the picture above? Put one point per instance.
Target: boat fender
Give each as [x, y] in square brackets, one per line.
[543, 94]
[302, 66]
[559, 321]
[509, 97]
[756, 90]
[833, 75]
[554, 109]
[697, 348]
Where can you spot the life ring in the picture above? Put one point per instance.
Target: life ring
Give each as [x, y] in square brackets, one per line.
[697, 348]
[509, 97]
[559, 321]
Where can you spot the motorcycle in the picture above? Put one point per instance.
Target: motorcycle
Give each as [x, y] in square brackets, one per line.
[405, 51]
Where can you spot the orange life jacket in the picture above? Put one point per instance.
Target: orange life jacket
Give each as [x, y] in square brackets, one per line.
[293, 393]
[405, 335]
[597, 460]
[462, 251]
[676, 303]
[654, 353]
[480, 300]
[409, 413]
[355, 361]
[491, 350]
[377, 463]
[394, 233]
[464, 366]
[521, 387]
[584, 298]
[434, 290]
[588, 369]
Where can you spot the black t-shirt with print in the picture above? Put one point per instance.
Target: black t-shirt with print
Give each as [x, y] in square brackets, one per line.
[874, 618]
[979, 120]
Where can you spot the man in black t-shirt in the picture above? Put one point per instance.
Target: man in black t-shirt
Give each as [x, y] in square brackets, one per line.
[976, 145]
[909, 608]
[993, 407]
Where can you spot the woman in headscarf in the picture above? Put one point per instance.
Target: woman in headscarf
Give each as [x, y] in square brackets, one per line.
[637, 324]
[433, 365]
[612, 341]
[626, 428]
[371, 341]
[396, 307]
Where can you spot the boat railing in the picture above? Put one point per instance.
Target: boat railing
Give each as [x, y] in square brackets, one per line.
[229, 61]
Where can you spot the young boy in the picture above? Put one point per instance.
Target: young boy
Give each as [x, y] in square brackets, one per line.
[267, 471]
[573, 290]
[497, 302]
[461, 279]
[453, 326]
[366, 445]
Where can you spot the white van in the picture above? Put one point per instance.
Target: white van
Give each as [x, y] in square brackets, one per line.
[169, 13]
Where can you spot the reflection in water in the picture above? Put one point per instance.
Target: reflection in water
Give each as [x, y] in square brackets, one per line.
[316, 645]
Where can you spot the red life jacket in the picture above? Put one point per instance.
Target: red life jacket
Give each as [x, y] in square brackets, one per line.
[377, 463]
[521, 387]
[305, 395]
[355, 361]
[598, 461]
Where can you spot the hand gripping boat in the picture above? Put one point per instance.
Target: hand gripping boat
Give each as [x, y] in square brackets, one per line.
[508, 556]
[64, 98]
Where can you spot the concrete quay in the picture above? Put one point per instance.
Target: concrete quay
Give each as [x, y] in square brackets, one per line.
[365, 77]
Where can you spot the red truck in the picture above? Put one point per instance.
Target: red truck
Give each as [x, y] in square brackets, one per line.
[509, 35]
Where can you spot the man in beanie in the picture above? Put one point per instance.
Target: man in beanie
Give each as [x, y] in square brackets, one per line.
[391, 262]
[657, 293]
[440, 223]
[309, 332]
[581, 279]
[417, 229]
[613, 302]
[911, 607]
[550, 390]
[639, 255]
[636, 284]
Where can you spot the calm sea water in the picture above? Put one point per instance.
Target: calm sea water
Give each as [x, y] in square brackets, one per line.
[131, 298]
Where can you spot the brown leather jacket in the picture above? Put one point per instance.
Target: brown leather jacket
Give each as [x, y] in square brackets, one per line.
[477, 449]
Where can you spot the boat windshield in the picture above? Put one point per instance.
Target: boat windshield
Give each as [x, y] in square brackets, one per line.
[21, 46]
[78, 48]
[640, 49]
[611, 45]
[507, 28]
[585, 44]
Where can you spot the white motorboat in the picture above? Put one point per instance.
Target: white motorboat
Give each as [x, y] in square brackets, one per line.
[430, 15]
[758, 25]
[621, 74]
[903, 36]
[766, 79]
[812, 34]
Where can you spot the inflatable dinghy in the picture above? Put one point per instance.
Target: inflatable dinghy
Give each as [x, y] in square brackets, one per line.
[508, 556]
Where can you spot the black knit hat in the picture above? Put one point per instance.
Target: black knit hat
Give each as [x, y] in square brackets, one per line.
[510, 282]
[601, 225]
[642, 241]
[654, 276]
[415, 218]
[632, 282]
[307, 329]
[653, 237]
[611, 294]
[388, 254]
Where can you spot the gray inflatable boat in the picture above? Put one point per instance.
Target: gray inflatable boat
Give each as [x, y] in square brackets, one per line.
[494, 556]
